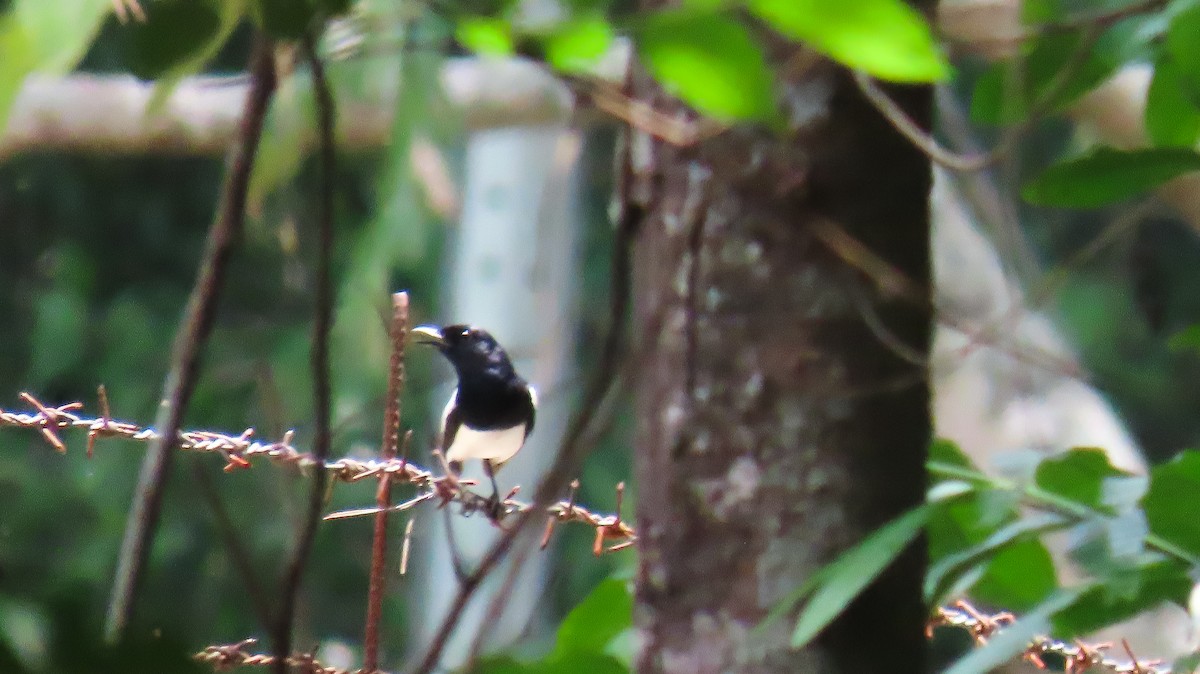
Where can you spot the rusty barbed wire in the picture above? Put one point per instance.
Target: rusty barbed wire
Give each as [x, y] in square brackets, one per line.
[232, 656]
[239, 450]
[1078, 657]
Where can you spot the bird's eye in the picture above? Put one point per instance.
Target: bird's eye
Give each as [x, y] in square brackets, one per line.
[466, 331]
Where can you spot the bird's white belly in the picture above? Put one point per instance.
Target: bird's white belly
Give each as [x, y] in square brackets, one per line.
[497, 445]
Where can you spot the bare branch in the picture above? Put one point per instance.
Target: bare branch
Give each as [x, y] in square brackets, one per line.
[189, 342]
[322, 322]
[1013, 135]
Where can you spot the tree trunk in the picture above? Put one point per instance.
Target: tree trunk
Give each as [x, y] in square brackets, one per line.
[782, 417]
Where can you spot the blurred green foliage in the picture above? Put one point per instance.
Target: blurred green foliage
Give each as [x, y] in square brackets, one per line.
[100, 252]
[1135, 539]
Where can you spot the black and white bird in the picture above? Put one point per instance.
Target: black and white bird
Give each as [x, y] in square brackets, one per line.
[491, 412]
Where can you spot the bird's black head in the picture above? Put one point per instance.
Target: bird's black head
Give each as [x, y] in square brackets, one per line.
[470, 350]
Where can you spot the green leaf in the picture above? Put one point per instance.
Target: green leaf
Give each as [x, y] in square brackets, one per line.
[945, 466]
[948, 452]
[59, 32]
[948, 490]
[1107, 176]
[885, 38]
[837, 584]
[579, 44]
[1018, 577]
[1172, 118]
[710, 62]
[592, 663]
[1078, 475]
[1186, 340]
[1125, 534]
[173, 34]
[230, 14]
[286, 19]
[1123, 596]
[598, 619]
[958, 525]
[1168, 503]
[944, 574]
[504, 664]
[45, 37]
[282, 150]
[575, 662]
[486, 36]
[335, 7]
[1034, 12]
[1183, 43]
[955, 526]
[1002, 98]
[583, 637]
[1015, 638]
[17, 59]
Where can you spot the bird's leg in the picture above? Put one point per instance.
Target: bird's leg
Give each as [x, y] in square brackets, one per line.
[494, 502]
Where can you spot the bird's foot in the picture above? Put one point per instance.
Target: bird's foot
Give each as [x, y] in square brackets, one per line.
[494, 508]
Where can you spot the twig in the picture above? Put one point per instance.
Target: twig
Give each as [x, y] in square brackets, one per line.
[1012, 136]
[1102, 19]
[383, 496]
[562, 511]
[892, 281]
[981, 190]
[322, 322]
[921, 138]
[1106, 18]
[1043, 289]
[613, 101]
[190, 337]
[495, 608]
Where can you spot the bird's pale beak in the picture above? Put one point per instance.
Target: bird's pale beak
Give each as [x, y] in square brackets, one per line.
[428, 334]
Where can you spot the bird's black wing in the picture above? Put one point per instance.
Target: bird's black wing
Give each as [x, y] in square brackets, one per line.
[532, 409]
[451, 420]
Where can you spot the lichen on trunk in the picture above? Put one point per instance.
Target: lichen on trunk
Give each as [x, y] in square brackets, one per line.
[782, 393]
